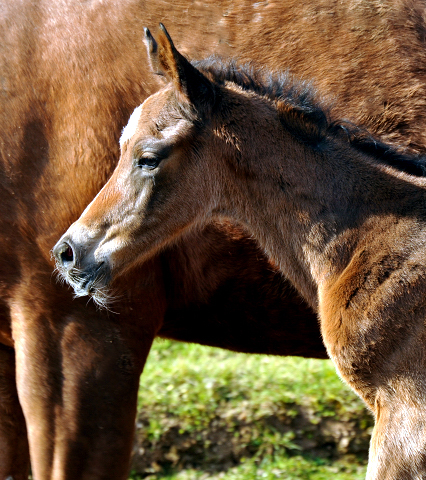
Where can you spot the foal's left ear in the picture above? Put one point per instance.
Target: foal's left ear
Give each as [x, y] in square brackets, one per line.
[187, 80]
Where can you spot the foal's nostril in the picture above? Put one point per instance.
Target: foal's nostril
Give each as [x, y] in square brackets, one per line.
[65, 254]
[68, 255]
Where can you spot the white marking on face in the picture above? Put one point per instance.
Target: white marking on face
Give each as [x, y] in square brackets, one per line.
[174, 130]
[130, 129]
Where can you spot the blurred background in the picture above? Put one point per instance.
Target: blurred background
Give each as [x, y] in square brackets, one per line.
[206, 413]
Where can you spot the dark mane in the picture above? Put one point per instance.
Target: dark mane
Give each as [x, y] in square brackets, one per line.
[365, 142]
[297, 100]
[303, 114]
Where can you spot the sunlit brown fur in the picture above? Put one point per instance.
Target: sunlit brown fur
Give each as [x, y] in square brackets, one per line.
[340, 213]
[71, 73]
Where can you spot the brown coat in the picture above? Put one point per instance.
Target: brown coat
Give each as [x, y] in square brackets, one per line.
[71, 73]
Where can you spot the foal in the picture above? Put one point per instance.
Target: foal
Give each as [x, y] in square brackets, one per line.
[341, 215]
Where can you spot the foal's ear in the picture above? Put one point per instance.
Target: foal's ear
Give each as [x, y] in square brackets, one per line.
[187, 80]
[152, 49]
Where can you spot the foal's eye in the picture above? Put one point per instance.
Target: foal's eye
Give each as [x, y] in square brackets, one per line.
[148, 160]
[148, 155]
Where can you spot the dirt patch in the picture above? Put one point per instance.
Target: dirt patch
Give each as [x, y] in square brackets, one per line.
[229, 438]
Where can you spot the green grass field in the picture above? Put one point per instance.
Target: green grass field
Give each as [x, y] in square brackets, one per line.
[209, 414]
[294, 468]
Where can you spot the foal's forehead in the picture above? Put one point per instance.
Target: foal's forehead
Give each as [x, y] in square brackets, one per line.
[143, 114]
[130, 129]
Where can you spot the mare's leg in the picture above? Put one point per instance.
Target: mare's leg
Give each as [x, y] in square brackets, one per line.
[223, 292]
[78, 375]
[14, 454]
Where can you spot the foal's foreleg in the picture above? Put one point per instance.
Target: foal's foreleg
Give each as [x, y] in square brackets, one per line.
[382, 357]
[14, 454]
[398, 444]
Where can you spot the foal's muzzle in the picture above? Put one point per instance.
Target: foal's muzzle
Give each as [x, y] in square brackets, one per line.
[85, 275]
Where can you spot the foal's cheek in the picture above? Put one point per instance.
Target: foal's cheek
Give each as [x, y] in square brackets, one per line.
[144, 196]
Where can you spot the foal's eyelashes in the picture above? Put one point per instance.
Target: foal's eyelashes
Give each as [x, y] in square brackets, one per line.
[148, 160]
[149, 155]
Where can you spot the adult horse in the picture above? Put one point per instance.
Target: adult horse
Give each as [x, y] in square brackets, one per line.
[71, 73]
[341, 214]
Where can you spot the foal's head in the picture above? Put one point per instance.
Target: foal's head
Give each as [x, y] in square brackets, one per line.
[158, 189]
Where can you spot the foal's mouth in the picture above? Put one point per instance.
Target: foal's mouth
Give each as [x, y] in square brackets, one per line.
[92, 282]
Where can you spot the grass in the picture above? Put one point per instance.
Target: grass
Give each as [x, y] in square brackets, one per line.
[190, 388]
[286, 468]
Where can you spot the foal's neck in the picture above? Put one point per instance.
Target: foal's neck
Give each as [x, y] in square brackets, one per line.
[308, 207]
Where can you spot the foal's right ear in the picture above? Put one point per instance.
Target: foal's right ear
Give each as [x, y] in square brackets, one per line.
[189, 82]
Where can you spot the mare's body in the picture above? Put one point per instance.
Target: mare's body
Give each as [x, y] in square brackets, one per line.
[71, 74]
[342, 215]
